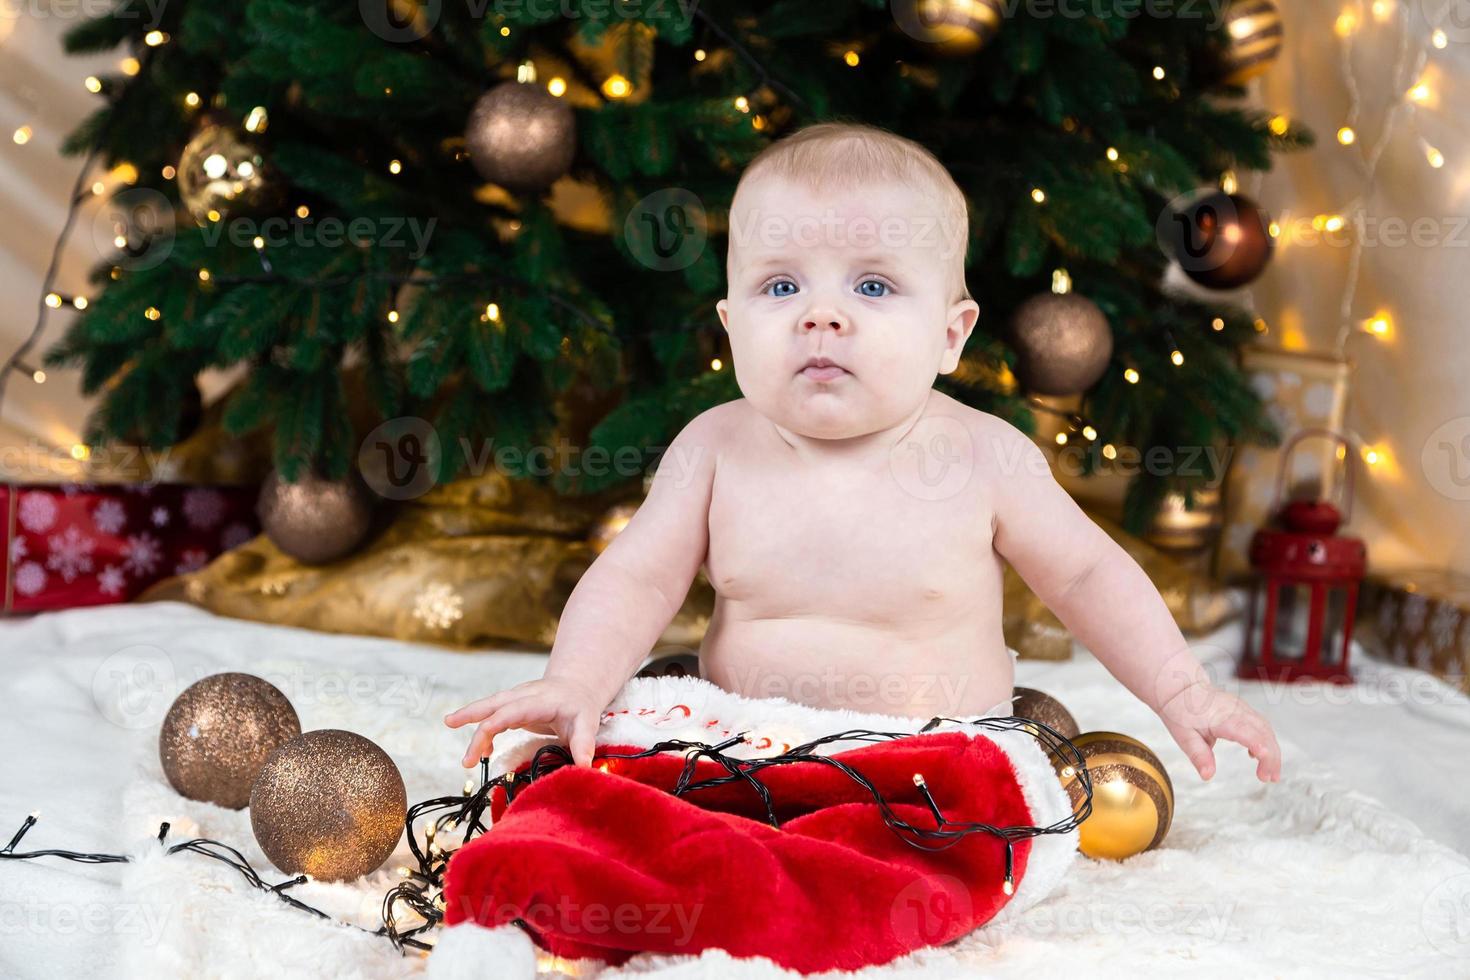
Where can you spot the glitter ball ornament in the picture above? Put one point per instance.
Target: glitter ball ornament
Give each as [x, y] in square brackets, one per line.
[1028, 702]
[521, 136]
[1132, 797]
[328, 803]
[1063, 343]
[222, 175]
[315, 520]
[955, 27]
[219, 732]
[1253, 35]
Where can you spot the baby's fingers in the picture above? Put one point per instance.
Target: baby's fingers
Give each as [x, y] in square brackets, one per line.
[509, 716]
[1255, 733]
[481, 709]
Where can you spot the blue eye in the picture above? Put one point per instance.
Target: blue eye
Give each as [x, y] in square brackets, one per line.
[773, 287]
[882, 286]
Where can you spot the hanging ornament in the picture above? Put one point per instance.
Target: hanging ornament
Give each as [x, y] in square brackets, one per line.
[219, 732]
[1030, 703]
[328, 803]
[1132, 797]
[521, 136]
[1253, 35]
[1062, 340]
[1182, 531]
[955, 27]
[1220, 240]
[315, 520]
[221, 174]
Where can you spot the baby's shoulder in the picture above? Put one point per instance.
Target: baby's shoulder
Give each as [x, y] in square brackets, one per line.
[999, 447]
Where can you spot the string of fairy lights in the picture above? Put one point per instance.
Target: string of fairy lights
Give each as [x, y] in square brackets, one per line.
[415, 906]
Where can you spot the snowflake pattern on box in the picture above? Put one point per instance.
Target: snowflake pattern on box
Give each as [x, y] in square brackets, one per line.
[81, 544]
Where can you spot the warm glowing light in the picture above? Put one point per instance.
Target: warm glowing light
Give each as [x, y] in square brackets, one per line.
[557, 86]
[53, 300]
[1038, 195]
[303, 211]
[1382, 9]
[99, 188]
[80, 302]
[1274, 229]
[169, 172]
[1088, 432]
[152, 313]
[130, 66]
[1217, 324]
[93, 83]
[212, 214]
[1419, 93]
[1346, 23]
[1130, 376]
[1110, 451]
[204, 275]
[1381, 325]
[39, 377]
[258, 242]
[1372, 456]
[492, 311]
[1061, 438]
[617, 87]
[124, 173]
[1113, 153]
[1176, 357]
[1061, 281]
[1260, 325]
[1228, 184]
[395, 166]
[80, 452]
[1346, 136]
[852, 59]
[1435, 158]
[121, 241]
[758, 121]
[742, 103]
[1159, 72]
[505, 32]
[715, 364]
[258, 120]
[1439, 38]
[700, 54]
[1279, 125]
[392, 316]
[22, 136]
[154, 38]
[192, 100]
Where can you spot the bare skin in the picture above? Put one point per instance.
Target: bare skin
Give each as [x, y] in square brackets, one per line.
[853, 520]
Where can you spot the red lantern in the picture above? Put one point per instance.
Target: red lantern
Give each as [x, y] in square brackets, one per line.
[1301, 609]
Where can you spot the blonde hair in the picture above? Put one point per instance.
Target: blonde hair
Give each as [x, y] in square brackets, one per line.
[845, 156]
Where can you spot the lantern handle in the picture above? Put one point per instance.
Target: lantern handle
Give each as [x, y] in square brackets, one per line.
[1347, 464]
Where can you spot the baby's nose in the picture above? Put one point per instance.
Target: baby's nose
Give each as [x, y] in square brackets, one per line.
[824, 318]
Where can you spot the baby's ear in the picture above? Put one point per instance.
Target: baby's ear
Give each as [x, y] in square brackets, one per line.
[962, 318]
[723, 308]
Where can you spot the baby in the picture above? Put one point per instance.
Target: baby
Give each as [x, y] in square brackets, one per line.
[851, 519]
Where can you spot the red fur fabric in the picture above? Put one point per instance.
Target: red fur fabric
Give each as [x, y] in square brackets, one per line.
[606, 864]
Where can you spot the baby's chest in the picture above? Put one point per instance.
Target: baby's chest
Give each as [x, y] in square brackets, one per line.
[865, 550]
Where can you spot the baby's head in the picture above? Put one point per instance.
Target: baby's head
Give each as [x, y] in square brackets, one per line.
[847, 242]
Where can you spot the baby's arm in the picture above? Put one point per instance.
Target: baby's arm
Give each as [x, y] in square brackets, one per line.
[620, 607]
[1108, 602]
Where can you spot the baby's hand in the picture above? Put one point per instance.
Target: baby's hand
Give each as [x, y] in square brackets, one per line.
[552, 706]
[1202, 713]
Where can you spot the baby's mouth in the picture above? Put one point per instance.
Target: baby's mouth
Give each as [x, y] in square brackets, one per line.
[822, 369]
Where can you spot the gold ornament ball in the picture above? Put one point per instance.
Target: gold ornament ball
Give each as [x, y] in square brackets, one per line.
[1028, 702]
[223, 172]
[328, 803]
[218, 733]
[521, 136]
[1132, 797]
[1063, 343]
[955, 27]
[609, 525]
[1182, 531]
[1253, 37]
[315, 520]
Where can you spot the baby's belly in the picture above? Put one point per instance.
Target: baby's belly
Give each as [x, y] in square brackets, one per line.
[963, 670]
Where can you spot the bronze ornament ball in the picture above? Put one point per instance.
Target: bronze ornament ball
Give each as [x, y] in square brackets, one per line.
[315, 520]
[1030, 703]
[328, 803]
[1221, 241]
[218, 733]
[1063, 343]
[521, 136]
[1253, 36]
[955, 27]
[1132, 797]
[221, 171]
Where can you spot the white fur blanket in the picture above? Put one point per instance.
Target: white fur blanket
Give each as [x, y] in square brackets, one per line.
[1297, 878]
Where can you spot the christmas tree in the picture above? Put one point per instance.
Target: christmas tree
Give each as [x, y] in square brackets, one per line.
[510, 218]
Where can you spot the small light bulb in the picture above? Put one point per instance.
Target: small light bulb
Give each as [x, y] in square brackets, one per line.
[1345, 24]
[1061, 438]
[22, 136]
[1176, 357]
[1130, 375]
[617, 87]
[53, 300]
[1439, 39]
[700, 54]
[99, 188]
[1346, 136]
[258, 242]
[152, 313]
[169, 172]
[742, 103]
[392, 316]
[1419, 93]
[204, 275]
[93, 83]
[1279, 125]
[1110, 451]
[39, 377]
[1372, 456]
[80, 452]
[395, 166]
[212, 214]
[715, 364]
[154, 38]
[1038, 195]
[120, 241]
[303, 211]
[192, 100]
[492, 311]
[1380, 325]
[1274, 229]
[1159, 72]
[1382, 9]
[505, 32]
[1333, 223]
[80, 302]
[557, 86]
[130, 66]
[1435, 158]
[1112, 153]
[1260, 325]
[1217, 324]
[1088, 432]
[852, 58]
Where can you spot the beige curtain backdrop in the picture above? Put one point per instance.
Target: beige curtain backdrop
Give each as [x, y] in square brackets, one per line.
[1372, 66]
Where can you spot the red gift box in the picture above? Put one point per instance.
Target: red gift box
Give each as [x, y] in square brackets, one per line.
[84, 544]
